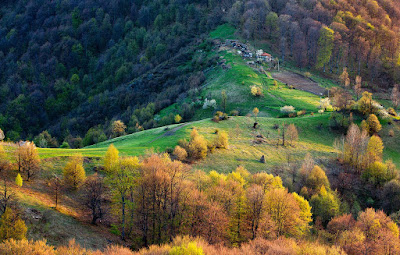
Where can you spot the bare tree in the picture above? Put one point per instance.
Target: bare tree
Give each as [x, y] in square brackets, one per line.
[395, 96]
[56, 186]
[94, 196]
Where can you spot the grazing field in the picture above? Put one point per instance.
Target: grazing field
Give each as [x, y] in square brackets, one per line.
[237, 81]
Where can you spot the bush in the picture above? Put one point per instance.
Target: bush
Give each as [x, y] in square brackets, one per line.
[180, 153]
[222, 140]
[256, 91]
[197, 148]
[234, 113]
[65, 145]
[287, 109]
[301, 113]
[186, 249]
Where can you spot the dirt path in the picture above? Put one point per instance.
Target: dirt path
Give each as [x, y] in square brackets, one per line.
[299, 82]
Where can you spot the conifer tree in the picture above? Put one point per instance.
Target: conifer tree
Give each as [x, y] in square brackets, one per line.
[18, 180]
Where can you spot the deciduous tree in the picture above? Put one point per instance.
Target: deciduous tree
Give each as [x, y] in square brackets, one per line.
[325, 205]
[56, 188]
[325, 46]
[94, 196]
[74, 173]
[395, 96]
[27, 159]
[284, 210]
[292, 134]
[122, 181]
[373, 124]
[118, 128]
[111, 159]
[11, 226]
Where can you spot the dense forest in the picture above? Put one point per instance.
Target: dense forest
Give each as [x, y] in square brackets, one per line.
[68, 66]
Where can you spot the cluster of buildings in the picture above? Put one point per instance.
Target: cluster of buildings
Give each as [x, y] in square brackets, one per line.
[244, 51]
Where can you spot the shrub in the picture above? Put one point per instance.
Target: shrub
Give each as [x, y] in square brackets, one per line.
[65, 145]
[234, 113]
[287, 109]
[180, 153]
[339, 121]
[222, 140]
[307, 74]
[197, 148]
[301, 113]
[186, 249]
[219, 116]
[215, 119]
[12, 246]
[256, 91]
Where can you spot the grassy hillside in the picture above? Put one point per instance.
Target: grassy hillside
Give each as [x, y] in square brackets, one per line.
[314, 136]
[236, 78]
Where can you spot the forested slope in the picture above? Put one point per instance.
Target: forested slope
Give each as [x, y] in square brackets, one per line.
[67, 66]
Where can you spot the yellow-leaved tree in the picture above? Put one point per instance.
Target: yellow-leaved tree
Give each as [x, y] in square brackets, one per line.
[375, 149]
[18, 180]
[374, 126]
[178, 118]
[11, 226]
[197, 146]
[111, 159]
[74, 173]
